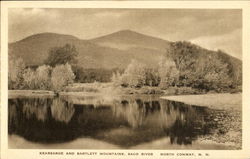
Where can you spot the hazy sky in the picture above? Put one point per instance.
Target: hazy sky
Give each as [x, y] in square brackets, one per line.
[212, 29]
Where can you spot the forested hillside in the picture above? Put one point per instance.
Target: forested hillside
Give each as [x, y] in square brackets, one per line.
[132, 59]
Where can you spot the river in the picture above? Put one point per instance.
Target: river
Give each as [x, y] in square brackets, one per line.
[95, 122]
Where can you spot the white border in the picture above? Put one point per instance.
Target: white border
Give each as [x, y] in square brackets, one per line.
[34, 153]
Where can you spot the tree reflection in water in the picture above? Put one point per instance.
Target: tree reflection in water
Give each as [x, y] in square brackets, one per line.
[62, 110]
[39, 108]
[188, 123]
[127, 121]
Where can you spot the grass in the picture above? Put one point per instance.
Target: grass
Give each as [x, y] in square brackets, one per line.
[109, 88]
[143, 90]
[220, 101]
[79, 87]
[30, 93]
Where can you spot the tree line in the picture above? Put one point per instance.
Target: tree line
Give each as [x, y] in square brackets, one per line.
[184, 65]
[55, 74]
[44, 77]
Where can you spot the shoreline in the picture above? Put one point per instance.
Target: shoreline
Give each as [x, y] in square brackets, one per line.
[215, 101]
[30, 93]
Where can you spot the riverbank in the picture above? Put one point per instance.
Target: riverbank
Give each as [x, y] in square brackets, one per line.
[227, 114]
[111, 89]
[30, 93]
[223, 101]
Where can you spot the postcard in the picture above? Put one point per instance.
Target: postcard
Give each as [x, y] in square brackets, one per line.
[125, 79]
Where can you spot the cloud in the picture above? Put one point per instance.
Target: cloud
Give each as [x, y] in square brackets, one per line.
[27, 21]
[189, 24]
[230, 43]
[111, 14]
[212, 28]
[20, 15]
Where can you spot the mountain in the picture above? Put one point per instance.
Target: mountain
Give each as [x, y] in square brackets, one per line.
[94, 53]
[115, 50]
[34, 49]
[127, 39]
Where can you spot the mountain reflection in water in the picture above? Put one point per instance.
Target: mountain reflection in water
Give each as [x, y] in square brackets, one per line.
[125, 121]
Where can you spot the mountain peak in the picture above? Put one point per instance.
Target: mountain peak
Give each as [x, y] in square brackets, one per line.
[48, 35]
[129, 39]
[126, 31]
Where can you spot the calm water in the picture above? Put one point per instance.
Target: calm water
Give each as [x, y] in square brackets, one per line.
[124, 121]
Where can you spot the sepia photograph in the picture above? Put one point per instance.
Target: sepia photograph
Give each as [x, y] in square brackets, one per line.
[124, 78]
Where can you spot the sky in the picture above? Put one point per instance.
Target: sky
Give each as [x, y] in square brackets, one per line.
[210, 28]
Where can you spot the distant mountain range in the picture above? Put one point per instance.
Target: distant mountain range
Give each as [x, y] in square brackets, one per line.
[115, 50]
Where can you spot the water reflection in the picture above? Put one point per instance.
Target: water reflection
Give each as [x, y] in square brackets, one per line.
[125, 121]
[187, 124]
[62, 110]
[38, 109]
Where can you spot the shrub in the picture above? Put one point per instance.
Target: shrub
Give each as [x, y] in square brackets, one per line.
[37, 79]
[152, 77]
[134, 75]
[29, 77]
[168, 73]
[150, 90]
[61, 76]
[43, 77]
[15, 73]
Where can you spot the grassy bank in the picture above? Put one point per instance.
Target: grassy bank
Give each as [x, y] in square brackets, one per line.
[30, 93]
[97, 87]
[119, 90]
[217, 101]
[110, 88]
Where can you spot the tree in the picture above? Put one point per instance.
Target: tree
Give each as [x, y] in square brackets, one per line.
[152, 77]
[184, 54]
[62, 55]
[215, 74]
[201, 68]
[234, 67]
[168, 73]
[29, 79]
[134, 75]
[61, 76]
[15, 73]
[43, 77]
[37, 79]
